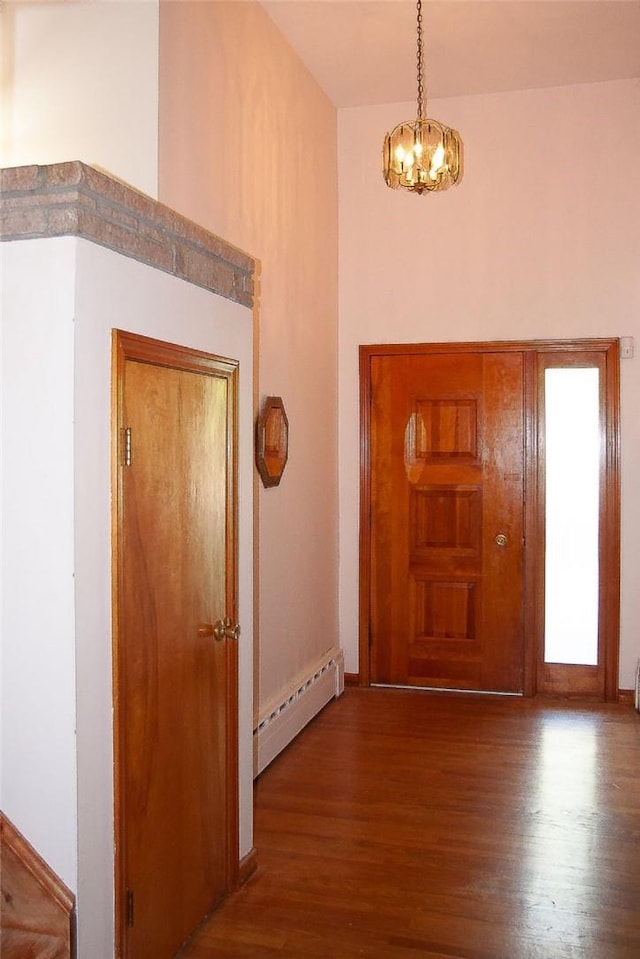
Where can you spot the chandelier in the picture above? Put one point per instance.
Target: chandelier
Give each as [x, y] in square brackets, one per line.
[423, 155]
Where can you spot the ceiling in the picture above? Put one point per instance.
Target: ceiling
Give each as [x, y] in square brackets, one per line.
[362, 52]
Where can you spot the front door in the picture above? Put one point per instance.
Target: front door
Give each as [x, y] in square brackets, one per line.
[175, 669]
[446, 520]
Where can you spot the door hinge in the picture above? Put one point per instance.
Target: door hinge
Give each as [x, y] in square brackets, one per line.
[129, 907]
[127, 446]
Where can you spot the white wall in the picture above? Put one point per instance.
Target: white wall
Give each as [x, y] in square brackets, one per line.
[89, 289]
[512, 252]
[38, 622]
[80, 82]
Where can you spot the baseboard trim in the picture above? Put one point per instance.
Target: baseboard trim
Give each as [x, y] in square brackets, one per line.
[37, 909]
[352, 679]
[248, 865]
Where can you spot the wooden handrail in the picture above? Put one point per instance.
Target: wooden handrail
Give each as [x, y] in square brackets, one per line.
[37, 910]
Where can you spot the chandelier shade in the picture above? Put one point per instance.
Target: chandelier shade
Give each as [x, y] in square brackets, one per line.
[421, 155]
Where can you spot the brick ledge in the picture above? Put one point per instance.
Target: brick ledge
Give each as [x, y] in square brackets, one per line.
[74, 199]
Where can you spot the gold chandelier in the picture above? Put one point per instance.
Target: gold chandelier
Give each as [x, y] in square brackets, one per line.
[423, 155]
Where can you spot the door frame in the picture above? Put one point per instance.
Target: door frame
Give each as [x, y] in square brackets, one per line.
[533, 569]
[128, 346]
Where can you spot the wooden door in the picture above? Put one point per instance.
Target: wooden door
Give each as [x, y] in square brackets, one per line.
[446, 520]
[176, 707]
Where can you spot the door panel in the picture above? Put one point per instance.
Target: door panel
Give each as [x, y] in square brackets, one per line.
[176, 682]
[447, 468]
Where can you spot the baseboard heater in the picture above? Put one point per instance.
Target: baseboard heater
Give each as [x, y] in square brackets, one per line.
[281, 721]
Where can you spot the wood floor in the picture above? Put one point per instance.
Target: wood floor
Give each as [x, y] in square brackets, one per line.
[406, 824]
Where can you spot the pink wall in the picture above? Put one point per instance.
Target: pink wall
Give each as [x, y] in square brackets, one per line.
[113, 47]
[248, 149]
[513, 252]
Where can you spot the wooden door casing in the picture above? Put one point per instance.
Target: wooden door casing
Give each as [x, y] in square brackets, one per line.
[533, 556]
[175, 684]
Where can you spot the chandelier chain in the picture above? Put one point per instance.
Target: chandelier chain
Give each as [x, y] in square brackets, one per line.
[420, 63]
[421, 155]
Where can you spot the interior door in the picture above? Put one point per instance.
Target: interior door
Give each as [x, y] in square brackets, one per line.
[446, 520]
[176, 671]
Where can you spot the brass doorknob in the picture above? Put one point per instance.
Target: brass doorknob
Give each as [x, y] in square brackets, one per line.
[501, 540]
[225, 629]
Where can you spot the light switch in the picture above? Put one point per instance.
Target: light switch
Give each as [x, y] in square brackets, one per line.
[626, 347]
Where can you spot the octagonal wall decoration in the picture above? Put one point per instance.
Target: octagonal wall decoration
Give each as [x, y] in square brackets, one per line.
[272, 441]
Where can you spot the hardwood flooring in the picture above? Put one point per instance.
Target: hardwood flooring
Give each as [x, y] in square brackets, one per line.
[405, 824]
